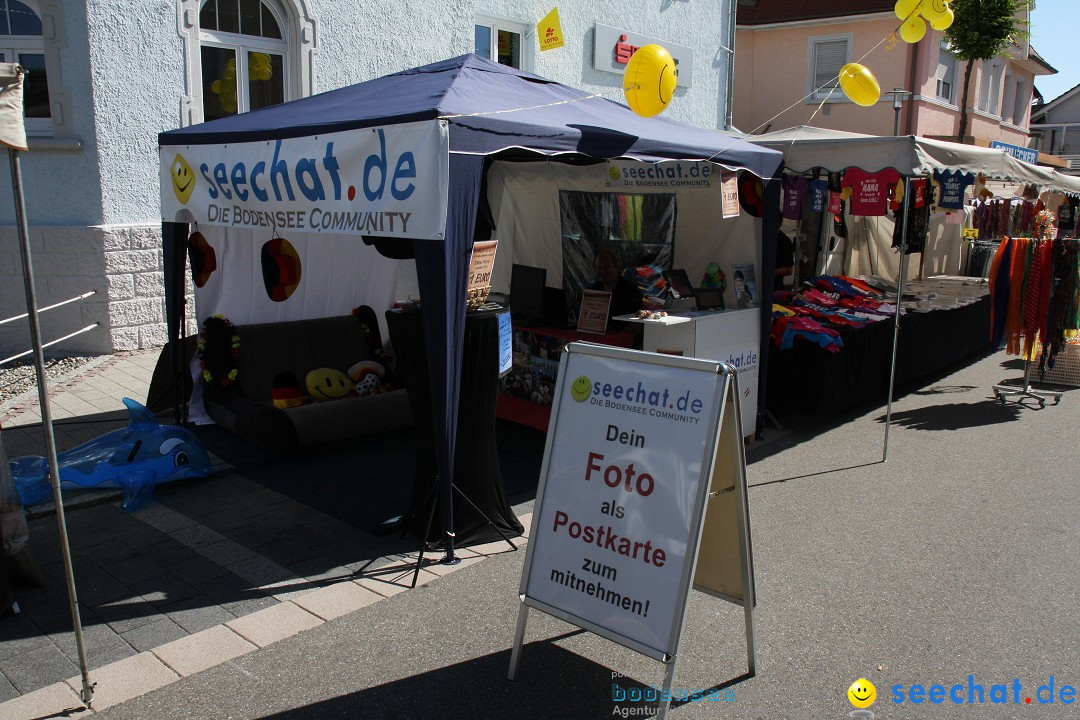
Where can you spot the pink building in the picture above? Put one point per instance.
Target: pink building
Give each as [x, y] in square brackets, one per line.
[788, 52]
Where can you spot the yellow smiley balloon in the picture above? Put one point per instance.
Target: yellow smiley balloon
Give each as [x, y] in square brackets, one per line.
[649, 80]
[913, 29]
[862, 693]
[859, 84]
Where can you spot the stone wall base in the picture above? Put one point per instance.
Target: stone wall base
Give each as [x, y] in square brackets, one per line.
[121, 264]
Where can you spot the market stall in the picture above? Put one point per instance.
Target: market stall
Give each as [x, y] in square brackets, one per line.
[896, 201]
[401, 162]
[669, 216]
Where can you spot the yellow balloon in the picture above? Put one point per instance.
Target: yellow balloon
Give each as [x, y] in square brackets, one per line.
[649, 80]
[859, 84]
[943, 21]
[913, 29]
[932, 9]
[905, 8]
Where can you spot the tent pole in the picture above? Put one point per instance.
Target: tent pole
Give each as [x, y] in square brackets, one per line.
[896, 319]
[46, 420]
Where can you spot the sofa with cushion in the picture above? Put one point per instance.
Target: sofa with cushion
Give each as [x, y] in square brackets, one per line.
[270, 361]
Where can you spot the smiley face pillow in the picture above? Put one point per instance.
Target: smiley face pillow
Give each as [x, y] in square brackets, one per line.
[328, 384]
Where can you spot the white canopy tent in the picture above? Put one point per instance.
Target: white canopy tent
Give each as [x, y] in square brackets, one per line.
[808, 148]
[869, 248]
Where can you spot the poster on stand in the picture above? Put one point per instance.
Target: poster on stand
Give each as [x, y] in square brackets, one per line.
[622, 492]
[745, 281]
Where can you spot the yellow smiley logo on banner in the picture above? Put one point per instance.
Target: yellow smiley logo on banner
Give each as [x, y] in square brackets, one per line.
[183, 179]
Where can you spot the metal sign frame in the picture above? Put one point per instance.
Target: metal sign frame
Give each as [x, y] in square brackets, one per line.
[722, 432]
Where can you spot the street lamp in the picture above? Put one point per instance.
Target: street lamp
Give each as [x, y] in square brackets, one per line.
[898, 97]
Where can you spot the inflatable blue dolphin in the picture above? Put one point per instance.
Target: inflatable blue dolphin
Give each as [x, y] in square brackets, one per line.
[136, 459]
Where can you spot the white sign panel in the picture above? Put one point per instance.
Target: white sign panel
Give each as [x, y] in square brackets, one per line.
[735, 338]
[386, 181]
[626, 471]
[613, 48]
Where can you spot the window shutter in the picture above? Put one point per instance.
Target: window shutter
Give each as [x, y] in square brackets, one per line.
[829, 57]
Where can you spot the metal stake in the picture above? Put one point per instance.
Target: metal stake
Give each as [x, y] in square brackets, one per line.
[896, 322]
[46, 420]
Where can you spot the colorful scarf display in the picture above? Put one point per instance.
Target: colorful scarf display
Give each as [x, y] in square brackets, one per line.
[1035, 294]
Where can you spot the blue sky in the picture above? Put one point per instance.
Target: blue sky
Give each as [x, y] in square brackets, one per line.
[1054, 36]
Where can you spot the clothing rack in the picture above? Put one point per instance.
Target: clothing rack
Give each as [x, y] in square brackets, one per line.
[1001, 392]
[980, 253]
[1034, 293]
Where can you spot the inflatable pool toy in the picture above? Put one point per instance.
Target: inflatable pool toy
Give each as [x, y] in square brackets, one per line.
[136, 458]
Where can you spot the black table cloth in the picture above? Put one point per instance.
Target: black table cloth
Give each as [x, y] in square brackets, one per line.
[477, 472]
[809, 378]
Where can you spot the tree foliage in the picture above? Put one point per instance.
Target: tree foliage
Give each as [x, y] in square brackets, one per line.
[982, 30]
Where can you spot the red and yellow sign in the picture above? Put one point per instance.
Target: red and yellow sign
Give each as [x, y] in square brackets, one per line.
[549, 31]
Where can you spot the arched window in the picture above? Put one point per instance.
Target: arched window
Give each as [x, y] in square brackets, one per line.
[245, 54]
[21, 42]
[243, 49]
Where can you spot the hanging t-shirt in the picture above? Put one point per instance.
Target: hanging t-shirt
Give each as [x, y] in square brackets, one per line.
[917, 207]
[819, 191]
[836, 202]
[794, 189]
[870, 191]
[953, 185]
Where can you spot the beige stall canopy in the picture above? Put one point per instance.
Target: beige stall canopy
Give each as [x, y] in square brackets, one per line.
[806, 147]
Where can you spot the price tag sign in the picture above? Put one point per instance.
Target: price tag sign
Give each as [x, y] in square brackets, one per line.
[730, 193]
[594, 311]
[483, 260]
[971, 233]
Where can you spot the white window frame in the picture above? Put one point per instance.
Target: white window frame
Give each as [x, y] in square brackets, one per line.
[812, 92]
[49, 43]
[990, 90]
[1021, 101]
[299, 34]
[942, 71]
[495, 24]
[241, 45]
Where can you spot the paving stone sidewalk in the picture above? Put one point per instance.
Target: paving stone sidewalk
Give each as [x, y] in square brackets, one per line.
[211, 568]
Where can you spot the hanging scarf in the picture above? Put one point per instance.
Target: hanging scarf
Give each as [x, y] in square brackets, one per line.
[999, 291]
[1065, 304]
[1014, 322]
[1034, 306]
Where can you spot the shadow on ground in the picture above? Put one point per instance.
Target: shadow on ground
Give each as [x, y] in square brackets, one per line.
[954, 416]
[364, 481]
[548, 677]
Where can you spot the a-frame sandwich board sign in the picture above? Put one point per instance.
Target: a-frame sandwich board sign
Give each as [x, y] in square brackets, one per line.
[642, 496]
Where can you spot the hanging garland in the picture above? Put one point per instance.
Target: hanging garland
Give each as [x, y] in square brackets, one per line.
[222, 367]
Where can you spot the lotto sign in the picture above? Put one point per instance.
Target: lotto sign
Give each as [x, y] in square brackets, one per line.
[388, 181]
[622, 493]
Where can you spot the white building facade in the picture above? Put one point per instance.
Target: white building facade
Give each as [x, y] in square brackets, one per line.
[106, 76]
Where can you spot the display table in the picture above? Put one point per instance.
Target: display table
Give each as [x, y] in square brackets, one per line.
[477, 472]
[731, 336]
[810, 379]
[526, 392]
